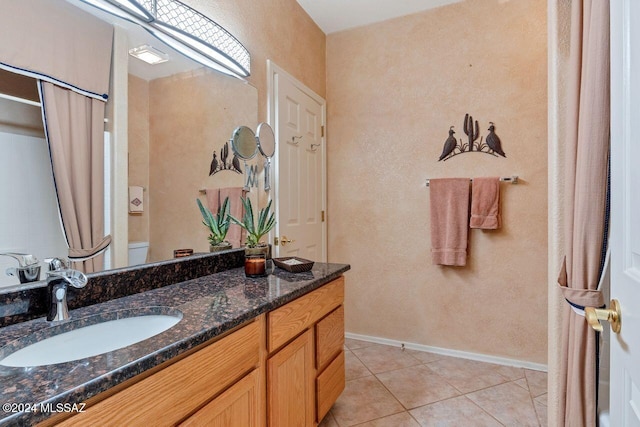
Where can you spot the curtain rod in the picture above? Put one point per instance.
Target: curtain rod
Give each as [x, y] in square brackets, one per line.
[20, 100]
[512, 179]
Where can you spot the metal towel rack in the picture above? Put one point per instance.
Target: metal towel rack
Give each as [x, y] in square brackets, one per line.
[512, 179]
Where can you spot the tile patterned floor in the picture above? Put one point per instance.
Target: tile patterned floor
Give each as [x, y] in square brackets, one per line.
[389, 387]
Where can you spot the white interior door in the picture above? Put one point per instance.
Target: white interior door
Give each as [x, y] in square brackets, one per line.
[298, 116]
[625, 209]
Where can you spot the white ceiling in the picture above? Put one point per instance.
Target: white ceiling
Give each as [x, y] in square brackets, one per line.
[337, 15]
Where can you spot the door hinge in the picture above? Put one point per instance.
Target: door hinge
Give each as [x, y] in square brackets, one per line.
[322, 131]
[322, 216]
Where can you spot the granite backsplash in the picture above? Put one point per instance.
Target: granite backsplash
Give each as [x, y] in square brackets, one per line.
[22, 303]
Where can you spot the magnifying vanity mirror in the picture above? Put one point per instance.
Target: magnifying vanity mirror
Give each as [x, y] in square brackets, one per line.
[244, 145]
[267, 146]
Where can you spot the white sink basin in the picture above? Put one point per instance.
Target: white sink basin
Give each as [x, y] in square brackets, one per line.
[90, 340]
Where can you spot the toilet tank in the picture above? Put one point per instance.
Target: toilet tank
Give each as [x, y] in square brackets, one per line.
[138, 252]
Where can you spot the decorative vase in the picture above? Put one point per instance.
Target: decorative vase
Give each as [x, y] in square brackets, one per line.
[260, 249]
[223, 246]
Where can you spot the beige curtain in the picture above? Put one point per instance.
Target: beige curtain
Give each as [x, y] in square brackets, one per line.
[74, 127]
[587, 147]
[53, 40]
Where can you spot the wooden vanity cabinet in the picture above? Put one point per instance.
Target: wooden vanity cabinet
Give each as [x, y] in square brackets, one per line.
[305, 369]
[285, 369]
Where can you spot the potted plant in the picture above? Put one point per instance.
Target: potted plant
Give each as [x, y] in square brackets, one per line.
[256, 229]
[217, 224]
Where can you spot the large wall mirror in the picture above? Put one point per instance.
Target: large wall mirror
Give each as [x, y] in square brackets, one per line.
[180, 116]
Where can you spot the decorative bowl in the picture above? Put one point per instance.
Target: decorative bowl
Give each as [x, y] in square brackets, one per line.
[293, 264]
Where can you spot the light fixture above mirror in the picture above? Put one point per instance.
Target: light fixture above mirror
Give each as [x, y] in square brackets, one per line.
[186, 30]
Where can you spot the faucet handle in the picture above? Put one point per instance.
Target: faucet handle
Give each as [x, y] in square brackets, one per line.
[24, 260]
[56, 264]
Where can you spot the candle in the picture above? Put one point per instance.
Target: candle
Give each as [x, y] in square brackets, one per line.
[255, 265]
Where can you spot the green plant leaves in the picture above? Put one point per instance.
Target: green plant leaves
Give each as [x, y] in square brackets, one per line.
[217, 224]
[255, 232]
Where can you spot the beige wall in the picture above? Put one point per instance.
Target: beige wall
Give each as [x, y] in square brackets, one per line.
[139, 154]
[393, 90]
[191, 115]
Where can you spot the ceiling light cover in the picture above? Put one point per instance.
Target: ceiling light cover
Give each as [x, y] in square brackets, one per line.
[149, 54]
[172, 19]
[140, 9]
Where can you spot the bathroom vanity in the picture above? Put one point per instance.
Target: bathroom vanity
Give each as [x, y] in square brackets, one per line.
[247, 352]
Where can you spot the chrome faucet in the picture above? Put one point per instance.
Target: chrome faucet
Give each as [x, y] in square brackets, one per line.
[59, 277]
[28, 269]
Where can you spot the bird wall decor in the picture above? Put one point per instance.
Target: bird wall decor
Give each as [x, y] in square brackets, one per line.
[493, 141]
[223, 164]
[449, 145]
[492, 144]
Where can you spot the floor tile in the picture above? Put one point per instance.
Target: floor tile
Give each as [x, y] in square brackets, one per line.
[509, 372]
[542, 399]
[362, 400]
[455, 412]
[416, 386]
[352, 344]
[468, 375]
[424, 356]
[522, 382]
[508, 403]
[402, 419]
[328, 421]
[541, 411]
[537, 382]
[382, 358]
[354, 368]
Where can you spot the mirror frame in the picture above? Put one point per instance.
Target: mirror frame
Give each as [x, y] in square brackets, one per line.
[242, 138]
[265, 131]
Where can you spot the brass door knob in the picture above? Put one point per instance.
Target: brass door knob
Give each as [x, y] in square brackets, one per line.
[611, 315]
[282, 241]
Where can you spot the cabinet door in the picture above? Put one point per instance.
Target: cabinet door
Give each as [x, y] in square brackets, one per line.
[290, 384]
[239, 406]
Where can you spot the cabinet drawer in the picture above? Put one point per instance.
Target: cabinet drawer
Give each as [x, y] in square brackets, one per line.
[329, 385]
[167, 397]
[329, 337]
[289, 320]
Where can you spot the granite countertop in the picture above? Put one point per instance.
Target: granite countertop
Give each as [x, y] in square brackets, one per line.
[210, 305]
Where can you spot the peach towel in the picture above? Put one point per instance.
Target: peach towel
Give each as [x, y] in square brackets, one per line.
[449, 220]
[215, 197]
[485, 203]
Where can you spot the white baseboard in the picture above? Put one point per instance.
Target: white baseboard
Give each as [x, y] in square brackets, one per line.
[454, 353]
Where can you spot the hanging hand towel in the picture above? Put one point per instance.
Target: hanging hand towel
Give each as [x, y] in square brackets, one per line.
[136, 199]
[485, 203]
[449, 220]
[213, 199]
